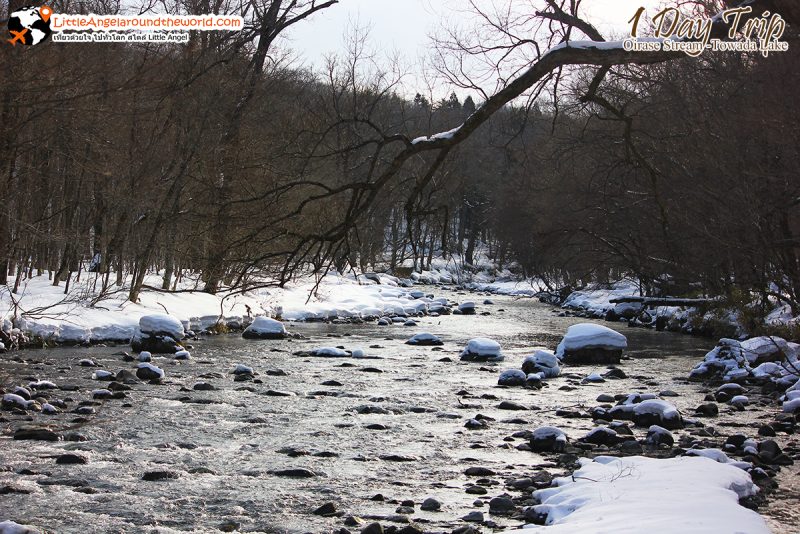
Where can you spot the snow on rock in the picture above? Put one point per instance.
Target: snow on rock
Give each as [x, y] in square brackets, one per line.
[726, 361]
[145, 356]
[329, 352]
[657, 412]
[424, 339]
[183, 355]
[10, 527]
[161, 324]
[467, 308]
[148, 371]
[636, 494]
[595, 299]
[758, 350]
[646, 410]
[766, 358]
[512, 377]
[12, 400]
[482, 349]
[158, 333]
[241, 369]
[42, 384]
[265, 328]
[658, 435]
[792, 402]
[718, 456]
[591, 343]
[548, 439]
[544, 362]
[102, 374]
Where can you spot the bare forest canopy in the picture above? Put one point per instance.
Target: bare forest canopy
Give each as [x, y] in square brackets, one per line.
[588, 162]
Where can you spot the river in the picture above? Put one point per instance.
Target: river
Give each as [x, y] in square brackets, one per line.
[223, 445]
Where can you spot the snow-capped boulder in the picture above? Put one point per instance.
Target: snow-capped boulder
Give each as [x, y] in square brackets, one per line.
[512, 377]
[265, 328]
[10, 527]
[242, 370]
[727, 391]
[658, 435]
[725, 361]
[589, 343]
[758, 350]
[12, 400]
[158, 333]
[544, 362]
[148, 371]
[467, 308]
[482, 349]
[548, 439]
[424, 339]
[102, 374]
[657, 412]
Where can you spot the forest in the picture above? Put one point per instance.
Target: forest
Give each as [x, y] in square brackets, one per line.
[219, 157]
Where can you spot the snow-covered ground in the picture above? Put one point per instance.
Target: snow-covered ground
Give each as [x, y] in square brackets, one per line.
[41, 310]
[639, 494]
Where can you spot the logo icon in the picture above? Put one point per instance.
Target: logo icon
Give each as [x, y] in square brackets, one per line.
[29, 25]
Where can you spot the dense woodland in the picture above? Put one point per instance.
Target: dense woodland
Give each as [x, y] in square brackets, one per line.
[219, 157]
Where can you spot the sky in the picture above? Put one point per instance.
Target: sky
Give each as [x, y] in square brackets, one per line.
[403, 27]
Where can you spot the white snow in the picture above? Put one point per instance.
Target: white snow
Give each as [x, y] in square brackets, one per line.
[162, 324]
[423, 338]
[10, 527]
[101, 374]
[266, 325]
[12, 398]
[71, 318]
[483, 347]
[792, 406]
[590, 336]
[659, 496]
[656, 407]
[545, 362]
[241, 369]
[545, 432]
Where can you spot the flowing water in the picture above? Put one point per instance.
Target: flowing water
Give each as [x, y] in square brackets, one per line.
[224, 445]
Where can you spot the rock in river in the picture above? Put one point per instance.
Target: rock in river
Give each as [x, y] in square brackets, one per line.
[589, 343]
[265, 328]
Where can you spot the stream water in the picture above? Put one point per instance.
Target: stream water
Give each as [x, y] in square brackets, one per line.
[225, 444]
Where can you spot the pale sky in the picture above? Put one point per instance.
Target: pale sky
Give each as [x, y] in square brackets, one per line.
[403, 26]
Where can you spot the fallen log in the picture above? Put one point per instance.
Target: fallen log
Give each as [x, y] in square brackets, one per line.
[665, 301]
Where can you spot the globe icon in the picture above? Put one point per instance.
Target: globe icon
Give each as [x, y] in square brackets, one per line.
[27, 26]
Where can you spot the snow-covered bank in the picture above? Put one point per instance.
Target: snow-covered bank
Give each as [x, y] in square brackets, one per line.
[639, 494]
[41, 311]
[596, 301]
